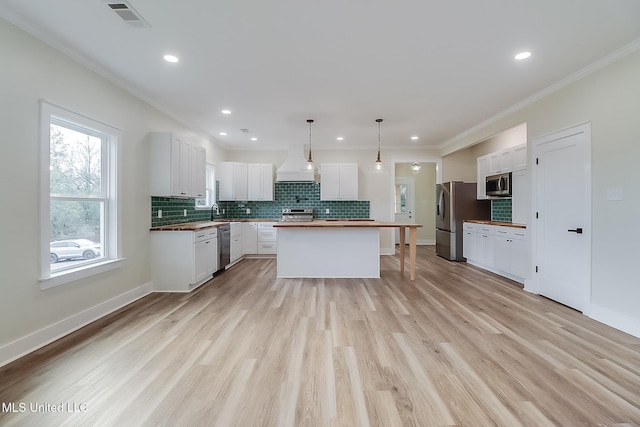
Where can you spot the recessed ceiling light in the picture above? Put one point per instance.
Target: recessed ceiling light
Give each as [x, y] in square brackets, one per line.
[226, 111]
[171, 58]
[254, 139]
[414, 137]
[340, 138]
[223, 134]
[523, 55]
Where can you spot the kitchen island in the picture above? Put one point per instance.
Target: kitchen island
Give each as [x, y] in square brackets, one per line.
[338, 249]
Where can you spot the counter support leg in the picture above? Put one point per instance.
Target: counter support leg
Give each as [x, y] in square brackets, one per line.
[402, 243]
[413, 237]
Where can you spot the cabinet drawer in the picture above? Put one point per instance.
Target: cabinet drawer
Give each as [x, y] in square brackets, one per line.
[511, 232]
[486, 229]
[268, 225]
[267, 247]
[205, 234]
[267, 235]
[470, 226]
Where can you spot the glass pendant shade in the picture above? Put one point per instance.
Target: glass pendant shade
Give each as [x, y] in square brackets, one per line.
[378, 166]
[309, 165]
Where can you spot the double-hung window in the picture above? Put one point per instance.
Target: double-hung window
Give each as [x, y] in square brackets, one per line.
[210, 189]
[79, 205]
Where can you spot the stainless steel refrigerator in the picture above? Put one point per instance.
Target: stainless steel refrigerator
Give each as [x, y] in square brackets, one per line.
[456, 202]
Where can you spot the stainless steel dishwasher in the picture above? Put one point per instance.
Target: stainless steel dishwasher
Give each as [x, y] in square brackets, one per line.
[224, 246]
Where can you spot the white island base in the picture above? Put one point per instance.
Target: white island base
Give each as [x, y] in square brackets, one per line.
[328, 252]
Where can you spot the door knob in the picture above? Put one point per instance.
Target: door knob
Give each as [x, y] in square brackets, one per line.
[577, 230]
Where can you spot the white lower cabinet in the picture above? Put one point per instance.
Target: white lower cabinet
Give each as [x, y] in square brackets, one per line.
[267, 238]
[486, 245]
[250, 238]
[183, 260]
[502, 250]
[470, 240]
[236, 242]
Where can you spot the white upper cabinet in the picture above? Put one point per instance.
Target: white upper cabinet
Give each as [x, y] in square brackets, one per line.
[508, 160]
[501, 161]
[177, 166]
[339, 181]
[233, 181]
[519, 157]
[260, 181]
[483, 171]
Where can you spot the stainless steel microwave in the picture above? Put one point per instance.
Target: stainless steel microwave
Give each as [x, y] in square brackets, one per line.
[498, 185]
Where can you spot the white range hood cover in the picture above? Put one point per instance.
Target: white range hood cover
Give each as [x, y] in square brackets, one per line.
[294, 167]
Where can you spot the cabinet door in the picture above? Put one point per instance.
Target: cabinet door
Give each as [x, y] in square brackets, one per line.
[483, 171]
[521, 196]
[201, 260]
[506, 160]
[254, 181]
[502, 253]
[250, 237]
[267, 182]
[185, 169]
[486, 249]
[176, 165]
[233, 181]
[520, 263]
[519, 157]
[198, 171]
[470, 245]
[495, 164]
[240, 181]
[330, 181]
[349, 181]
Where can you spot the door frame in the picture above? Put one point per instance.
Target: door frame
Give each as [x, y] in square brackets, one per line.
[585, 128]
[426, 159]
[411, 195]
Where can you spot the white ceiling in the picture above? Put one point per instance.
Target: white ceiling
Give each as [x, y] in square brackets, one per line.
[428, 68]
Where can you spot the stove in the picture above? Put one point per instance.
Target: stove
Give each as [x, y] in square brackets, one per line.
[297, 215]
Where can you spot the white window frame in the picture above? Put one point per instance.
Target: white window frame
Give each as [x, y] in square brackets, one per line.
[210, 190]
[112, 258]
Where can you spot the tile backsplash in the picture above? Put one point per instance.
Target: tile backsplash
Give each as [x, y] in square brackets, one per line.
[286, 195]
[501, 210]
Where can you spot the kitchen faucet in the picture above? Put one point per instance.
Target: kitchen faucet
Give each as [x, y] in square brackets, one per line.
[214, 205]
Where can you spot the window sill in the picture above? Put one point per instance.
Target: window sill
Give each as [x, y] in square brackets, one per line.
[68, 276]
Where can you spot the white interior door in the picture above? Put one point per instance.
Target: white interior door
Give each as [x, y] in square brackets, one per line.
[404, 204]
[563, 210]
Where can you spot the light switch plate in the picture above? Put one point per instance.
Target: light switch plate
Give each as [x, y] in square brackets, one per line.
[327, 211]
[614, 194]
[159, 213]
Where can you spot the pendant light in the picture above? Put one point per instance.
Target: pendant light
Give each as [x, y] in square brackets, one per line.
[309, 165]
[415, 167]
[378, 166]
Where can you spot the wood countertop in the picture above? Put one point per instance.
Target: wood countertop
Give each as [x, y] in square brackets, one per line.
[498, 223]
[199, 225]
[353, 223]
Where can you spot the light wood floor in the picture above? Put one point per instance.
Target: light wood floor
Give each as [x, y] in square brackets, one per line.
[458, 346]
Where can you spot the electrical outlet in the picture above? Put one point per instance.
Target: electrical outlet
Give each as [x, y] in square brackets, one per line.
[224, 211]
[327, 211]
[184, 212]
[159, 213]
[614, 194]
[248, 210]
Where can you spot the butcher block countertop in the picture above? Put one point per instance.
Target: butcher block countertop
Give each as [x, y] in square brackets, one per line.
[499, 223]
[352, 223]
[199, 225]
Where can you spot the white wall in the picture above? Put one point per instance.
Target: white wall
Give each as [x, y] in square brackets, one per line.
[610, 99]
[32, 70]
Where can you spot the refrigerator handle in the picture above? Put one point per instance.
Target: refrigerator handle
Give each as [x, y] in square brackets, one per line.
[441, 205]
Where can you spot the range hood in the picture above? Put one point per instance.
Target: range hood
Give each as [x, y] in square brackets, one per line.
[293, 169]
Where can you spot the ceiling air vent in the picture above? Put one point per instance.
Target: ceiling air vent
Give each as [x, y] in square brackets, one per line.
[244, 130]
[128, 14]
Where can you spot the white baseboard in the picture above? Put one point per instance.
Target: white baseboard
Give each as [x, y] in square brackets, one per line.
[619, 321]
[29, 343]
